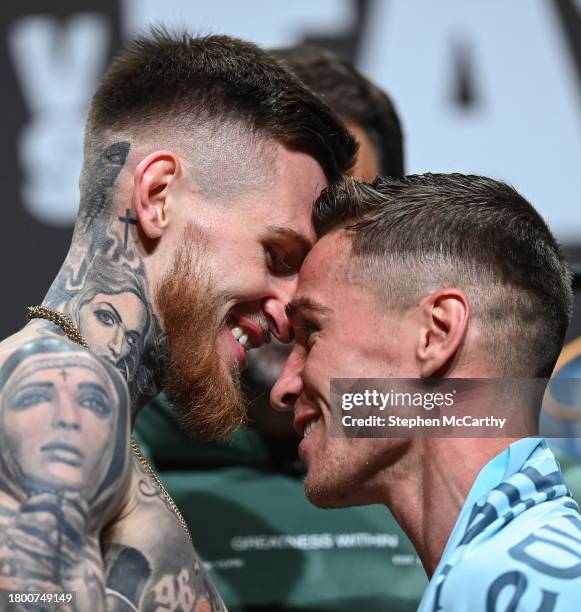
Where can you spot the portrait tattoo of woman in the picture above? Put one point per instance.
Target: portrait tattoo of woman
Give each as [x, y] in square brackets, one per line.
[110, 310]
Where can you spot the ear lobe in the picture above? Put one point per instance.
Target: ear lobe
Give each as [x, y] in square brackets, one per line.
[445, 316]
[152, 180]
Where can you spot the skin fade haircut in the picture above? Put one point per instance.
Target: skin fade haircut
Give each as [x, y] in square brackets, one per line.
[409, 236]
[221, 88]
[353, 97]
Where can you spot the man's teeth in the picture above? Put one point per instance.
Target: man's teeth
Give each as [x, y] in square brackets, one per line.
[310, 426]
[239, 334]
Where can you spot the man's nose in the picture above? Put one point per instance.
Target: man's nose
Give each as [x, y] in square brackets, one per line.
[274, 308]
[289, 385]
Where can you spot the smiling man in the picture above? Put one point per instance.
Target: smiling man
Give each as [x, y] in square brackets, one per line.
[439, 276]
[203, 157]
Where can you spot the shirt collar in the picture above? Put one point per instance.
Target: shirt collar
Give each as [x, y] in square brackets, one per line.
[498, 469]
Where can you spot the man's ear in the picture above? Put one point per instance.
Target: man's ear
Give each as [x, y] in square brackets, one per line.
[444, 322]
[153, 177]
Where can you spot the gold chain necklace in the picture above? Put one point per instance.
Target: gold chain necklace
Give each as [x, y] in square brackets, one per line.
[72, 333]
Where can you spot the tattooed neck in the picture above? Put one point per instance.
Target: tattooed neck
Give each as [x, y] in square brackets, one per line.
[103, 285]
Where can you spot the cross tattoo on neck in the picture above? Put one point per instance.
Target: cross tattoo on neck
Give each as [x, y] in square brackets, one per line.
[128, 220]
[63, 374]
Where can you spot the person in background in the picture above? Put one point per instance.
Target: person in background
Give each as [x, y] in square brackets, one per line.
[265, 546]
[367, 111]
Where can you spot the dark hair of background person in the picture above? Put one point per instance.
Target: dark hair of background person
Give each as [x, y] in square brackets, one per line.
[165, 86]
[471, 232]
[353, 97]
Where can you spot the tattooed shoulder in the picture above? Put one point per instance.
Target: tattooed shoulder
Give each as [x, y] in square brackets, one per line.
[64, 465]
[150, 562]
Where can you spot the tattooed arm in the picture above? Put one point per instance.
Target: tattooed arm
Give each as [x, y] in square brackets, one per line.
[64, 468]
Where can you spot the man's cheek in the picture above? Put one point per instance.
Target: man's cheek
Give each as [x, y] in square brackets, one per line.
[249, 286]
[317, 372]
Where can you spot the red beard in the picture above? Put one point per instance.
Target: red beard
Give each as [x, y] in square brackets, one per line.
[208, 401]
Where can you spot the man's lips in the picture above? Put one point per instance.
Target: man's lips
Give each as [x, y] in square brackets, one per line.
[303, 418]
[257, 336]
[232, 345]
[243, 334]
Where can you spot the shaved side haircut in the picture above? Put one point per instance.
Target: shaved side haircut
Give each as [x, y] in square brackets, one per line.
[220, 102]
[422, 233]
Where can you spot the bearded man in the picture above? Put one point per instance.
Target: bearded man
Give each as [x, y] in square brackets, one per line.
[203, 157]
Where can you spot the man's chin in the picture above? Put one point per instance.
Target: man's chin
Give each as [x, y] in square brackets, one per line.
[324, 494]
[211, 411]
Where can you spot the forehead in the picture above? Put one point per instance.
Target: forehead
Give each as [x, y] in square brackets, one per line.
[66, 374]
[288, 200]
[328, 286]
[324, 274]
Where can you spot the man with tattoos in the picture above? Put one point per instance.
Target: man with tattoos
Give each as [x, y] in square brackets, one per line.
[203, 157]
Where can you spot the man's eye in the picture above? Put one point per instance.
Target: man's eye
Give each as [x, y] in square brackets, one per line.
[312, 335]
[96, 403]
[32, 398]
[280, 263]
[308, 334]
[105, 317]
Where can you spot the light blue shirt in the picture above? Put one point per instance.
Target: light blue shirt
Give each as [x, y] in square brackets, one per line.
[516, 546]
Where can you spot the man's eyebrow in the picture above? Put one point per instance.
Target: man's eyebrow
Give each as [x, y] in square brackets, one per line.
[290, 234]
[304, 303]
